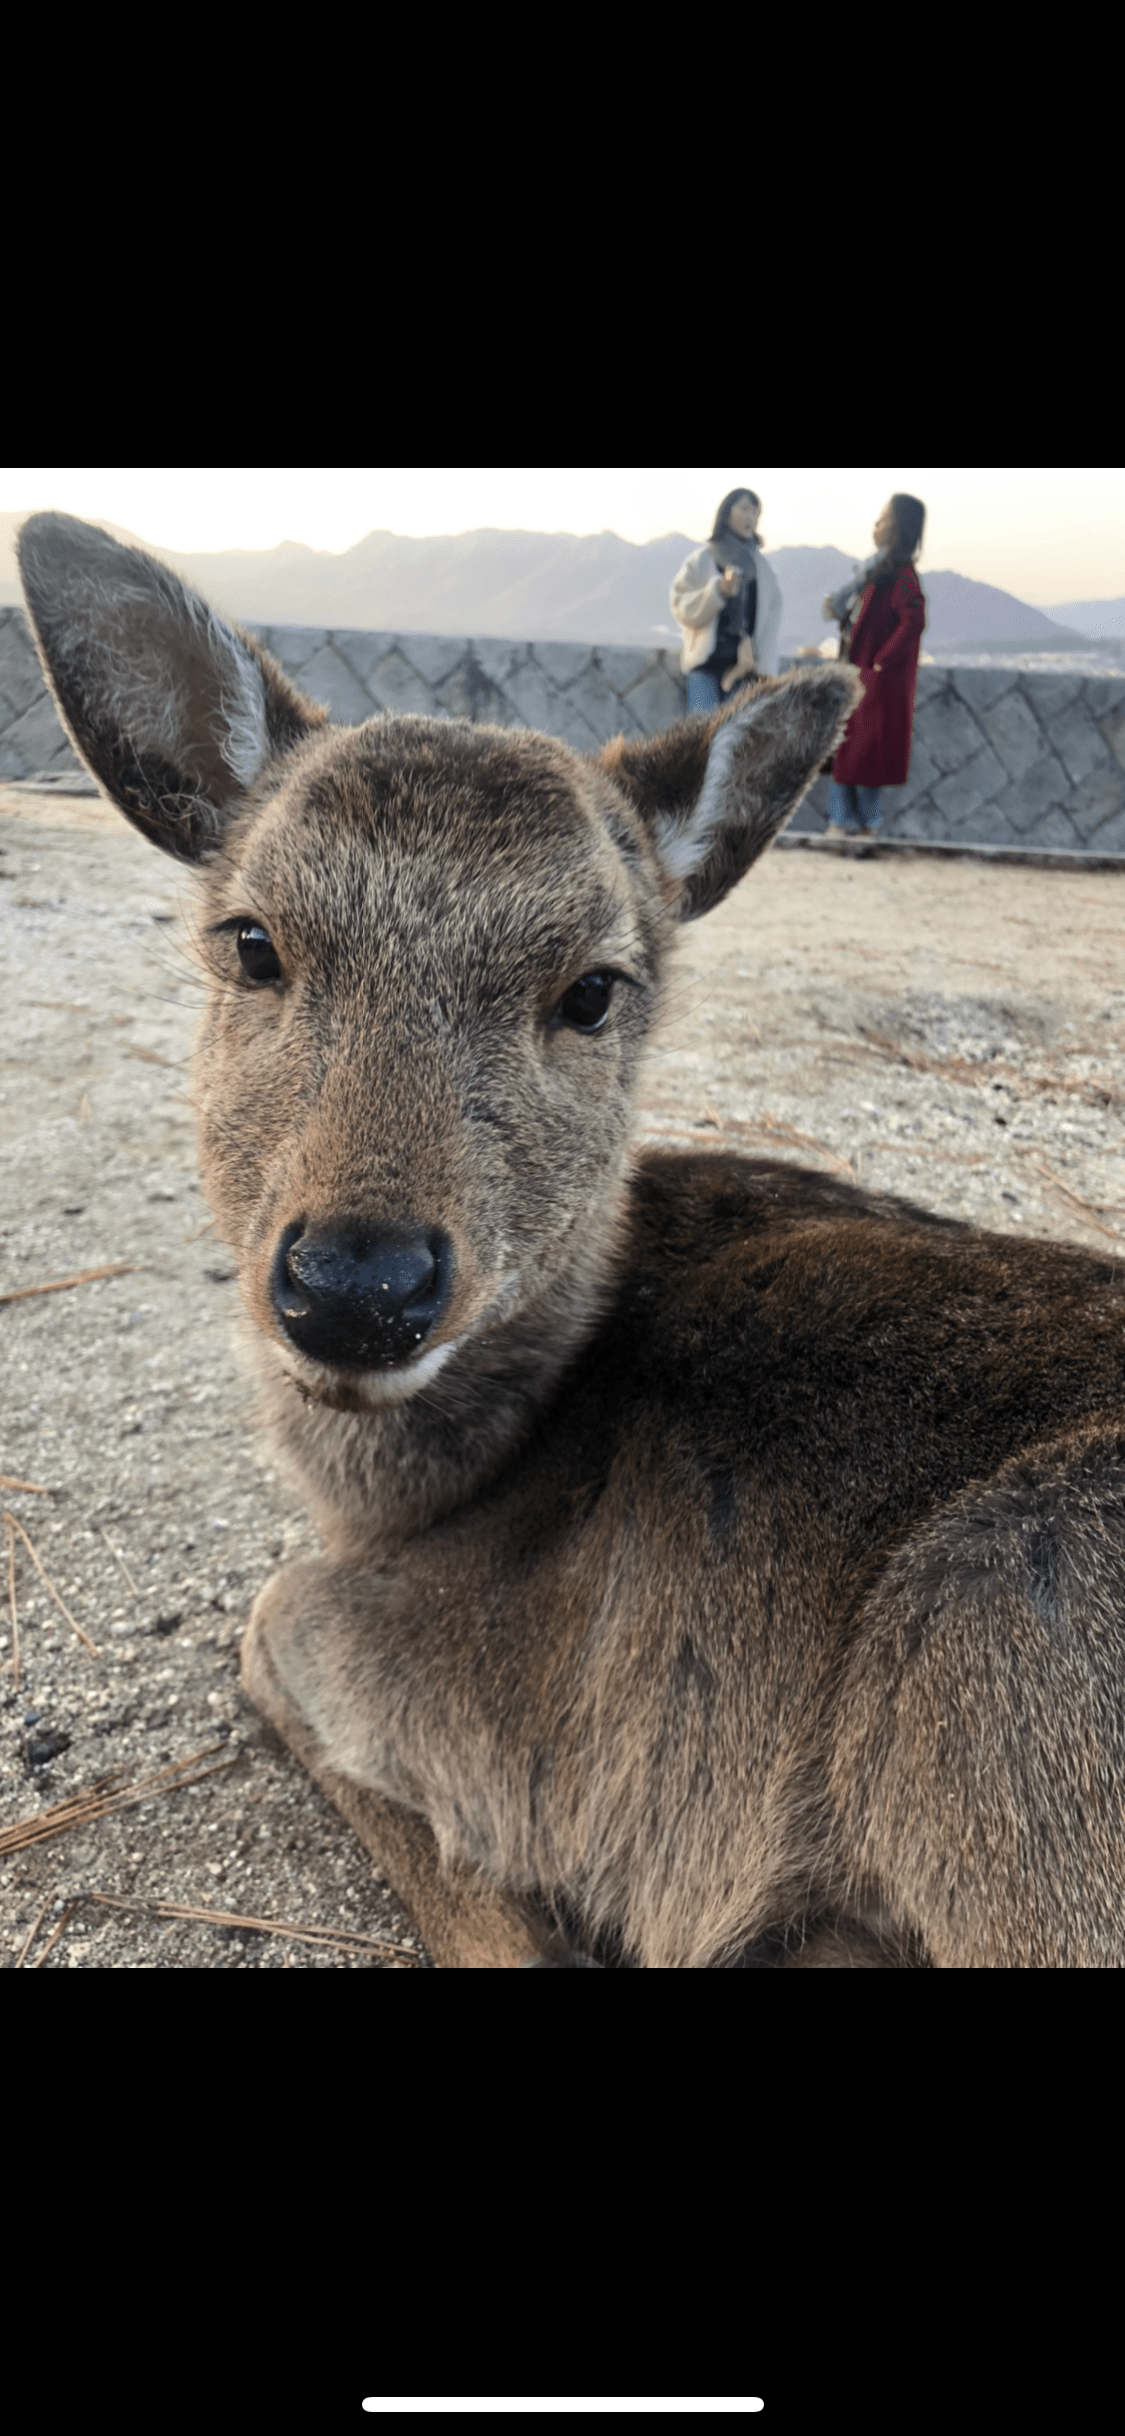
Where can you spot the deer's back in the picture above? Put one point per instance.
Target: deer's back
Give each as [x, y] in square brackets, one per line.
[797, 1372]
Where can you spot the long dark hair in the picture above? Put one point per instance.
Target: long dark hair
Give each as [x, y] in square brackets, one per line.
[721, 526]
[910, 519]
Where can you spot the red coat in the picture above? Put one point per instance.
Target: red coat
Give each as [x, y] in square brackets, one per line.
[886, 640]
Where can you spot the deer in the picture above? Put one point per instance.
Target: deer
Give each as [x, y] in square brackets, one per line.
[721, 1564]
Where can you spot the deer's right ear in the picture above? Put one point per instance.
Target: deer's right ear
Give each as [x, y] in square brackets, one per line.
[175, 711]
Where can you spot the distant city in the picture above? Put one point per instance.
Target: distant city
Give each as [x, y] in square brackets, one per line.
[584, 588]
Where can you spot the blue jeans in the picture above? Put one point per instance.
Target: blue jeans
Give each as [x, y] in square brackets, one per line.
[704, 692]
[854, 808]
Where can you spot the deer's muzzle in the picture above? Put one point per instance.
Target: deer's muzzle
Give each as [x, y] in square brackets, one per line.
[359, 1298]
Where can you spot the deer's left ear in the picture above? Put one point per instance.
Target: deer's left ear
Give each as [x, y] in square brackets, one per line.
[713, 792]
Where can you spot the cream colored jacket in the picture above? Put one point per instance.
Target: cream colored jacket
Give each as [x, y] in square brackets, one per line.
[695, 601]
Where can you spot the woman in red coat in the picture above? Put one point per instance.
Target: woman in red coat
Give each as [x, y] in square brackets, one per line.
[884, 644]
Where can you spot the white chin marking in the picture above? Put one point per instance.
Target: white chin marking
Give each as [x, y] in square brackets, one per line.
[394, 1388]
[373, 1388]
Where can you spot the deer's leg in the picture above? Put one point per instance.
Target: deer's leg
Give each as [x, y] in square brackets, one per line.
[465, 1922]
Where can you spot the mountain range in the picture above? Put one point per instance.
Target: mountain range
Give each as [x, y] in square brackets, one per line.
[564, 587]
[1100, 619]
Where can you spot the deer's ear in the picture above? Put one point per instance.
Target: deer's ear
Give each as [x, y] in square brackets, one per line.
[175, 711]
[713, 792]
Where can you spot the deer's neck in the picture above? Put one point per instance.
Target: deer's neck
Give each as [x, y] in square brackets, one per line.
[373, 1479]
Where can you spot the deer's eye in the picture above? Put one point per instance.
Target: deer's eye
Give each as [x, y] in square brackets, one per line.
[586, 1003]
[257, 954]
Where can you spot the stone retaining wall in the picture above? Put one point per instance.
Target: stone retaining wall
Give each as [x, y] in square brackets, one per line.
[1003, 758]
[1000, 757]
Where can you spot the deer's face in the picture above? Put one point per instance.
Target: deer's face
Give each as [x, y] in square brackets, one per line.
[434, 954]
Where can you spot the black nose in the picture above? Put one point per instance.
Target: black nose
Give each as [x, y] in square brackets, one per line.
[361, 1300]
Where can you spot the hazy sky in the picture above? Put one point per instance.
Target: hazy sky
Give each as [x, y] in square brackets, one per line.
[1053, 534]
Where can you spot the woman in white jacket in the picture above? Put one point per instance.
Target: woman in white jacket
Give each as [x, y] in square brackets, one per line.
[728, 601]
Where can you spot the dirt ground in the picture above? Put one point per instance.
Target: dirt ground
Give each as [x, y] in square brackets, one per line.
[956, 1034]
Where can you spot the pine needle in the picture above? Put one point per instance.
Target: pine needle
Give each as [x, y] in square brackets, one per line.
[103, 1797]
[81, 1277]
[1088, 1212]
[350, 1942]
[12, 1602]
[55, 1594]
[56, 1933]
[118, 1560]
[33, 1932]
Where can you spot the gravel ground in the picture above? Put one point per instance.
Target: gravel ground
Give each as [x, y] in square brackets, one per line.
[954, 1034]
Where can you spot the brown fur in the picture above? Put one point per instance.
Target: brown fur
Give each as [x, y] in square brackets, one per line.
[737, 1575]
